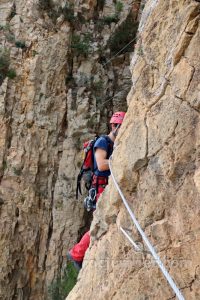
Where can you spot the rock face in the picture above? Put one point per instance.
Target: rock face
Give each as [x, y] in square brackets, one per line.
[33, 107]
[157, 164]
[60, 79]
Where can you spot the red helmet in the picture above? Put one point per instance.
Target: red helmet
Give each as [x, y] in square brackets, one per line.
[117, 118]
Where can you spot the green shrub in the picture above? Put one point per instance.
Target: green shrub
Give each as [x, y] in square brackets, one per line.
[10, 37]
[80, 45]
[123, 35]
[68, 12]
[4, 59]
[49, 7]
[5, 27]
[54, 11]
[115, 17]
[110, 19]
[11, 73]
[61, 287]
[45, 4]
[20, 44]
[4, 63]
[5, 166]
[17, 171]
[100, 4]
[118, 7]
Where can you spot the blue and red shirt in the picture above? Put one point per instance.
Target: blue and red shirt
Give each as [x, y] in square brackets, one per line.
[105, 143]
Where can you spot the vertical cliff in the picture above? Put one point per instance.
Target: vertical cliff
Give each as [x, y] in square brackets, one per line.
[62, 72]
[157, 166]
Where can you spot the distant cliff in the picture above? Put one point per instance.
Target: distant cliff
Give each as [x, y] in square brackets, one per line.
[64, 68]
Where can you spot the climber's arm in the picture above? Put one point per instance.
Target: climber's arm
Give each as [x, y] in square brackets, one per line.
[102, 162]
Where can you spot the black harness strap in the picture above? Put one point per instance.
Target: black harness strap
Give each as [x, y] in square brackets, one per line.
[78, 184]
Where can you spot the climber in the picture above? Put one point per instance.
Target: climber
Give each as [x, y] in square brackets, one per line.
[103, 148]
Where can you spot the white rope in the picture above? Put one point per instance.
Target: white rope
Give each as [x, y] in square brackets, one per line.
[148, 244]
[137, 248]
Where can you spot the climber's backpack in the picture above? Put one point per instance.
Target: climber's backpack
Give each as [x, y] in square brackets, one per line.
[87, 168]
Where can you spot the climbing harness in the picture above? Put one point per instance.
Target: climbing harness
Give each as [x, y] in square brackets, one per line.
[145, 239]
[98, 185]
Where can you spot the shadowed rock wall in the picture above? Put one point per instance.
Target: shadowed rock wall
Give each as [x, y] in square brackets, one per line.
[57, 89]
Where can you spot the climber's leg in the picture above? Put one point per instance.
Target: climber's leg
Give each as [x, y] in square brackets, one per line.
[77, 253]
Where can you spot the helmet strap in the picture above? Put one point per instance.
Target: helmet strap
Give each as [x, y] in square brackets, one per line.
[114, 132]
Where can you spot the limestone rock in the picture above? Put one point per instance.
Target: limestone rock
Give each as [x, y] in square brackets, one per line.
[59, 94]
[157, 166]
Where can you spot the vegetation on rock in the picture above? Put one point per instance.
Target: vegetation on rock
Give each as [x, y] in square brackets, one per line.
[61, 287]
[20, 44]
[123, 35]
[5, 71]
[81, 44]
[116, 16]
